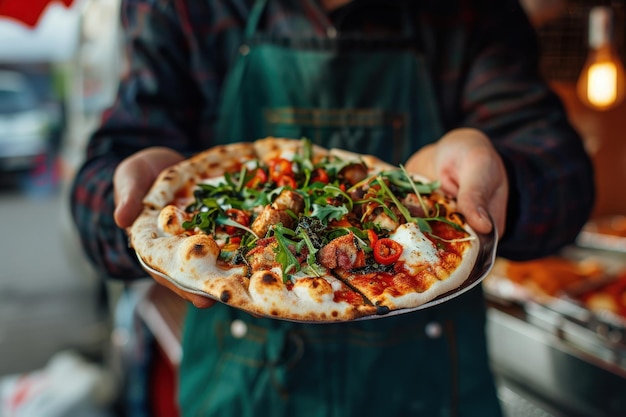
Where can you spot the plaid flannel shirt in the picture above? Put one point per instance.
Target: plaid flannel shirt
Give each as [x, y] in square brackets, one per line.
[482, 56]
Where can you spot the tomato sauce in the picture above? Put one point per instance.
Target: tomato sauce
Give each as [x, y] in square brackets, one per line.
[348, 296]
[447, 232]
[376, 283]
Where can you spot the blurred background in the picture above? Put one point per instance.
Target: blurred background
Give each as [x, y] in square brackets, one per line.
[58, 73]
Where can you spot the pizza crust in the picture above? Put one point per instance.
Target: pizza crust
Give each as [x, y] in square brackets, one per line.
[210, 163]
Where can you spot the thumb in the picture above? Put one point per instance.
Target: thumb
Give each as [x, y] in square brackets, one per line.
[473, 204]
[129, 192]
[133, 178]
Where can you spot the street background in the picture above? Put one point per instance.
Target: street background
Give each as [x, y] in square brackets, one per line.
[50, 298]
[55, 312]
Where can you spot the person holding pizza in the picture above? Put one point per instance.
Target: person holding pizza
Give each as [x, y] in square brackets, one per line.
[449, 88]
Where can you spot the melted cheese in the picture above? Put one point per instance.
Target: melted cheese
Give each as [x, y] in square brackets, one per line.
[215, 181]
[417, 249]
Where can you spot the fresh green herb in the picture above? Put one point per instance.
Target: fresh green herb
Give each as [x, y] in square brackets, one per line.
[381, 203]
[415, 190]
[401, 207]
[288, 262]
[311, 258]
[224, 220]
[328, 212]
[422, 222]
[205, 219]
[401, 179]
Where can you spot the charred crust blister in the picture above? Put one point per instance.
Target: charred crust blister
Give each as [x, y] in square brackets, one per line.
[225, 296]
[268, 278]
[198, 250]
[382, 310]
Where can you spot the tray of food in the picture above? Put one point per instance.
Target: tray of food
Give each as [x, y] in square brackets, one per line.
[579, 298]
[604, 233]
[539, 280]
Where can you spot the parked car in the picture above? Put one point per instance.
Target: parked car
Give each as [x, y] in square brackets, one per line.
[24, 123]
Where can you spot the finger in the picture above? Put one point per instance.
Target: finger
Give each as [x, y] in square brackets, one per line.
[473, 205]
[130, 186]
[483, 199]
[475, 192]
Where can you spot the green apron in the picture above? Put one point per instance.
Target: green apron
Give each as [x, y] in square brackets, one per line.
[368, 95]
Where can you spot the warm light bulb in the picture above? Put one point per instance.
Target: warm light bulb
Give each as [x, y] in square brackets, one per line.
[601, 82]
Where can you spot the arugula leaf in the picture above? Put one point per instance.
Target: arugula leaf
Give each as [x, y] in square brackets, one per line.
[328, 212]
[415, 189]
[402, 179]
[205, 219]
[381, 203]
[304, 160]
[223, 220]
[423, 225]
[253, 198]
[403, 210]
[422, 222]
[311, 232]
[311, 258]
[288, 262]
[334, 165]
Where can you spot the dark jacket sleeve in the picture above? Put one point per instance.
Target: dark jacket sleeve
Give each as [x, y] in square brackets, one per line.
[550, 174]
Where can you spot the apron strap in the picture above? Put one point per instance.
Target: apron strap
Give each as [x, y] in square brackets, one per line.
[255, 17]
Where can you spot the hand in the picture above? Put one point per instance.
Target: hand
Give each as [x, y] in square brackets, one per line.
[470, 169]
[133, 178]
[131, 181]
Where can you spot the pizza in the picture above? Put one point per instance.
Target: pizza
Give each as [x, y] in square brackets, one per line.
[287, 229]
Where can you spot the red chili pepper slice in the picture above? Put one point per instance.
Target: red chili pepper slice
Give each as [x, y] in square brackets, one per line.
[319, 175]
[279, 167]
[387, 251]
[239, 216]
[287, 181]
[259, 178]
[372, 236]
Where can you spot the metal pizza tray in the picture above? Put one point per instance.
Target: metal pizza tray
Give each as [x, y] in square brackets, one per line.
[484, 262]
